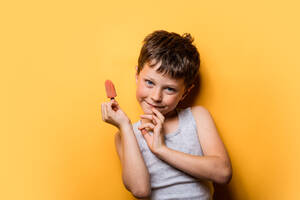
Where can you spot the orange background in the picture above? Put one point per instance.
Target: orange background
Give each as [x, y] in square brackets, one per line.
[56, 55]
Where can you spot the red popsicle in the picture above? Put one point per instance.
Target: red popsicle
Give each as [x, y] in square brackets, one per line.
[110, 90]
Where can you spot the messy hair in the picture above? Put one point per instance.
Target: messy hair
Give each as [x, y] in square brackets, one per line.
[178, 56]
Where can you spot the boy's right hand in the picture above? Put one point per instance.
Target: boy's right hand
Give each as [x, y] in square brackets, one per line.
[113, 114]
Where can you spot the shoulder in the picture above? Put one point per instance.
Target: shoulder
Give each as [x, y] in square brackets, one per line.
[207, 132]
[203, 119]
[200, 112]
[199, 108]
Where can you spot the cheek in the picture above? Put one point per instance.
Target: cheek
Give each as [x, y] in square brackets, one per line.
[172, 100]
[141, 92]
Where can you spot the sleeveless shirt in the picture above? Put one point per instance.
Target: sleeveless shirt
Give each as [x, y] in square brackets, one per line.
[168, 182]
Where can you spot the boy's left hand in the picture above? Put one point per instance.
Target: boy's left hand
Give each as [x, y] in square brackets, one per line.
[155, 141]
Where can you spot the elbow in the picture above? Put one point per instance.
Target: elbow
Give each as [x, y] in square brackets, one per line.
[225, 176]
[141, 193]
[140, 189]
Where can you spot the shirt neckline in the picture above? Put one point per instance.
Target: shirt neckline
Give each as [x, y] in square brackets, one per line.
[169, 135]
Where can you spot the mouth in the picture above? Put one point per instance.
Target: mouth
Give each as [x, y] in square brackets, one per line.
[151, 105]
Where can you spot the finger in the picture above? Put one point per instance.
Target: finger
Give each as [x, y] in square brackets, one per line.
[147, 129]
[143, 131]
[112, 106]
[158, 121]
[146, 125]
[148, 138]
[104, 114]
[149, 117]
[113, 101]
[146, 116]
[106, 111]
[158, 114]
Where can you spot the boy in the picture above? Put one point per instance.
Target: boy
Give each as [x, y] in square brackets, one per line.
[170, 153]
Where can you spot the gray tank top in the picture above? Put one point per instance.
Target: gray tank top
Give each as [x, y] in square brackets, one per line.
[168, 182]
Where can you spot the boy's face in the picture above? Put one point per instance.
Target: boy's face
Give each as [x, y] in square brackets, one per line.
[157, 90]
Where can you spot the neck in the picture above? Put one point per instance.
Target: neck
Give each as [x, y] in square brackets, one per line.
[171, 114]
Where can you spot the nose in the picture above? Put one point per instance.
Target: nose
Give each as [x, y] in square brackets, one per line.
[156, 95]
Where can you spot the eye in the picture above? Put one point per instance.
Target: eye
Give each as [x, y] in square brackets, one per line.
[148, 82]
[171, 89]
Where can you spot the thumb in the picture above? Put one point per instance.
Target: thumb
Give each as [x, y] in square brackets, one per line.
[114, 105]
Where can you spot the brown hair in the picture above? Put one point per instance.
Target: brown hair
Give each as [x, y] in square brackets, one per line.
[178, 56]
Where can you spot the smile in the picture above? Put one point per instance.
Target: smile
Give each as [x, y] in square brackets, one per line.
[154, 105]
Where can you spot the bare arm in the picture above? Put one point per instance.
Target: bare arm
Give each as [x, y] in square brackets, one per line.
[135, 174]
[215, 165]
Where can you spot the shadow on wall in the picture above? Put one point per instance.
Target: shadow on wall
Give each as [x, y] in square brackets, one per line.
[221, 192]
[191, 98]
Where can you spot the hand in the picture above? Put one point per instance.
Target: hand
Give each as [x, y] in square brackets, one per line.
[155, 123]
[113, 114]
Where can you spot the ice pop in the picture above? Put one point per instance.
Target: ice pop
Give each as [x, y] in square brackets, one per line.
[110, 90]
